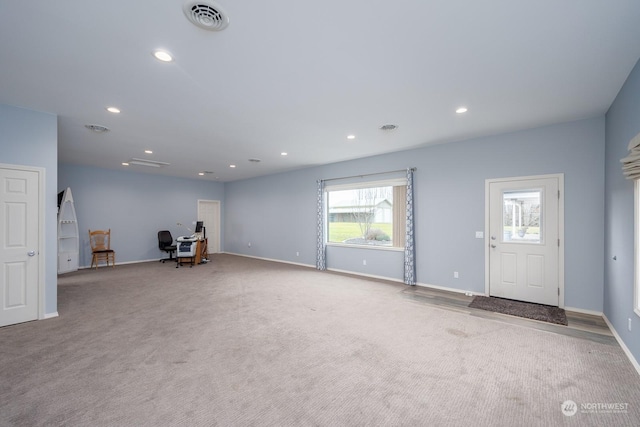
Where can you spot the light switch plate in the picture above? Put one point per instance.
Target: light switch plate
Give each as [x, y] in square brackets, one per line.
[479, 234]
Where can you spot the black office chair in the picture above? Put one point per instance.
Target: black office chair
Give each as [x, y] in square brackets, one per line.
[165, 243]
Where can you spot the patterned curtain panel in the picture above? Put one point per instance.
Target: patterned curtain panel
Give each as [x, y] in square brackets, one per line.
[409, 246]
[321, 260]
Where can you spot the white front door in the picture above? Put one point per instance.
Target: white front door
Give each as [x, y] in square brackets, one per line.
[209, 213]
[524, 238]
[19, 245]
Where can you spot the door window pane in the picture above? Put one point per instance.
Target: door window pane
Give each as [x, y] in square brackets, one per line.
[521, 216]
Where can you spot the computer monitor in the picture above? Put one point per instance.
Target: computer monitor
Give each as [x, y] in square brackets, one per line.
[199, 225]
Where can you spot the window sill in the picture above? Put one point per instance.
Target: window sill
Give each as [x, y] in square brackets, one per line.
[374, 247]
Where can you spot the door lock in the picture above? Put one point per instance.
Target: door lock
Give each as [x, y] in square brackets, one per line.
[31, 253]
[493, 246]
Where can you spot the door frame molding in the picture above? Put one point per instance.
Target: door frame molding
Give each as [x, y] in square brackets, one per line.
[487, 241]
[218, 225]
[41, 231]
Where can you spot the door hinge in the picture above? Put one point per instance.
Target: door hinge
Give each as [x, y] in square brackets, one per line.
[558, 194]
[558, 242]
[558, 291]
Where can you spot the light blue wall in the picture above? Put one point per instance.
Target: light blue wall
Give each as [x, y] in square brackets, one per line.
[622, 124]
[134, 206]
[30, 138]
[277, 213]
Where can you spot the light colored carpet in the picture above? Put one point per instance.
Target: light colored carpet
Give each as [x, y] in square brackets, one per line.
[239, 342]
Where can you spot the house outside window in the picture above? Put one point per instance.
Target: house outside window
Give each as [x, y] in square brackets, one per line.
[367, 214]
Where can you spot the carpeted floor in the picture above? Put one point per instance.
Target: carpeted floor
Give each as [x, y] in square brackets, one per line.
[544, 313]
[244, 342]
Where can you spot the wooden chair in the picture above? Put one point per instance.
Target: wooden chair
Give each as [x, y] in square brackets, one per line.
[100, 241]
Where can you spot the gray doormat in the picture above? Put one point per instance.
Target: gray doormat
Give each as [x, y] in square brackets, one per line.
[545, 313]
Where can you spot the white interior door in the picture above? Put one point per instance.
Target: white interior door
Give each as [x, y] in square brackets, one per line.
[524, 239]
[209, 213]
[19, 245]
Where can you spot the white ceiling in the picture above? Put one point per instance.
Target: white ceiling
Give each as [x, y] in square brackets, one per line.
[299, 76]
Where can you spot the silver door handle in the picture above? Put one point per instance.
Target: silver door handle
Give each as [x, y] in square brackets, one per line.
[493, 246]
[31, 253]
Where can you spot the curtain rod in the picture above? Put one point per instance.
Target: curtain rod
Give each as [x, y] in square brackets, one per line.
[368, 174]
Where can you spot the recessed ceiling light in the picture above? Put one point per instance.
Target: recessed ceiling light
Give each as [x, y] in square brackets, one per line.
[148, 151]
[232, 166]
[461, 110]
[114, 110]
[351, 137]
[201, 173]
[284, 153]
[162, 55]
[125, 164]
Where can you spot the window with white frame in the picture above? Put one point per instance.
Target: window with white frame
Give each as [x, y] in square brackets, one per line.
[636, 281]
[371, 214]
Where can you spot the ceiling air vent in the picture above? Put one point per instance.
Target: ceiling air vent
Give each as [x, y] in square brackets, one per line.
[388, 127]
[149, 163]
[206, 14]
[97, 128]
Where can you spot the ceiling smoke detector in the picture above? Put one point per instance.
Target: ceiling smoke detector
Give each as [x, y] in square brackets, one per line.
[206, 14]
[97, 128]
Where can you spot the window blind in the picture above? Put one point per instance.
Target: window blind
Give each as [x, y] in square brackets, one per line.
[631, 163]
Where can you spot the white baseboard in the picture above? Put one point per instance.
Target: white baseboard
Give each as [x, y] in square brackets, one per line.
[270, 259]
[84, 267]
[444, 288]
[372, 276]
[624, 347]
[584, 311]
[50, 315]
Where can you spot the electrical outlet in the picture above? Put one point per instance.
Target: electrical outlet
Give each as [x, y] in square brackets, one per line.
[297, 253]
[249, 244]
[364, 262]
[455, 275]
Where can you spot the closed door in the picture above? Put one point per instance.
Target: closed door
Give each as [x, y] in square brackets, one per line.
[209, 213]
[524, 239]
[19, 245]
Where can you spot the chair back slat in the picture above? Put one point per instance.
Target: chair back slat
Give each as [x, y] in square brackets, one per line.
[100, 240]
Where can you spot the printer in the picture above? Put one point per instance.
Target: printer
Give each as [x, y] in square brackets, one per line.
[187, 246]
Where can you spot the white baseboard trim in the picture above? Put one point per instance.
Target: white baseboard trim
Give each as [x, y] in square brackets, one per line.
[371, 276]
[50, 315]
[270, 259]
[624, 347]
[444, 288]
[84, 267]
[584, 311]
